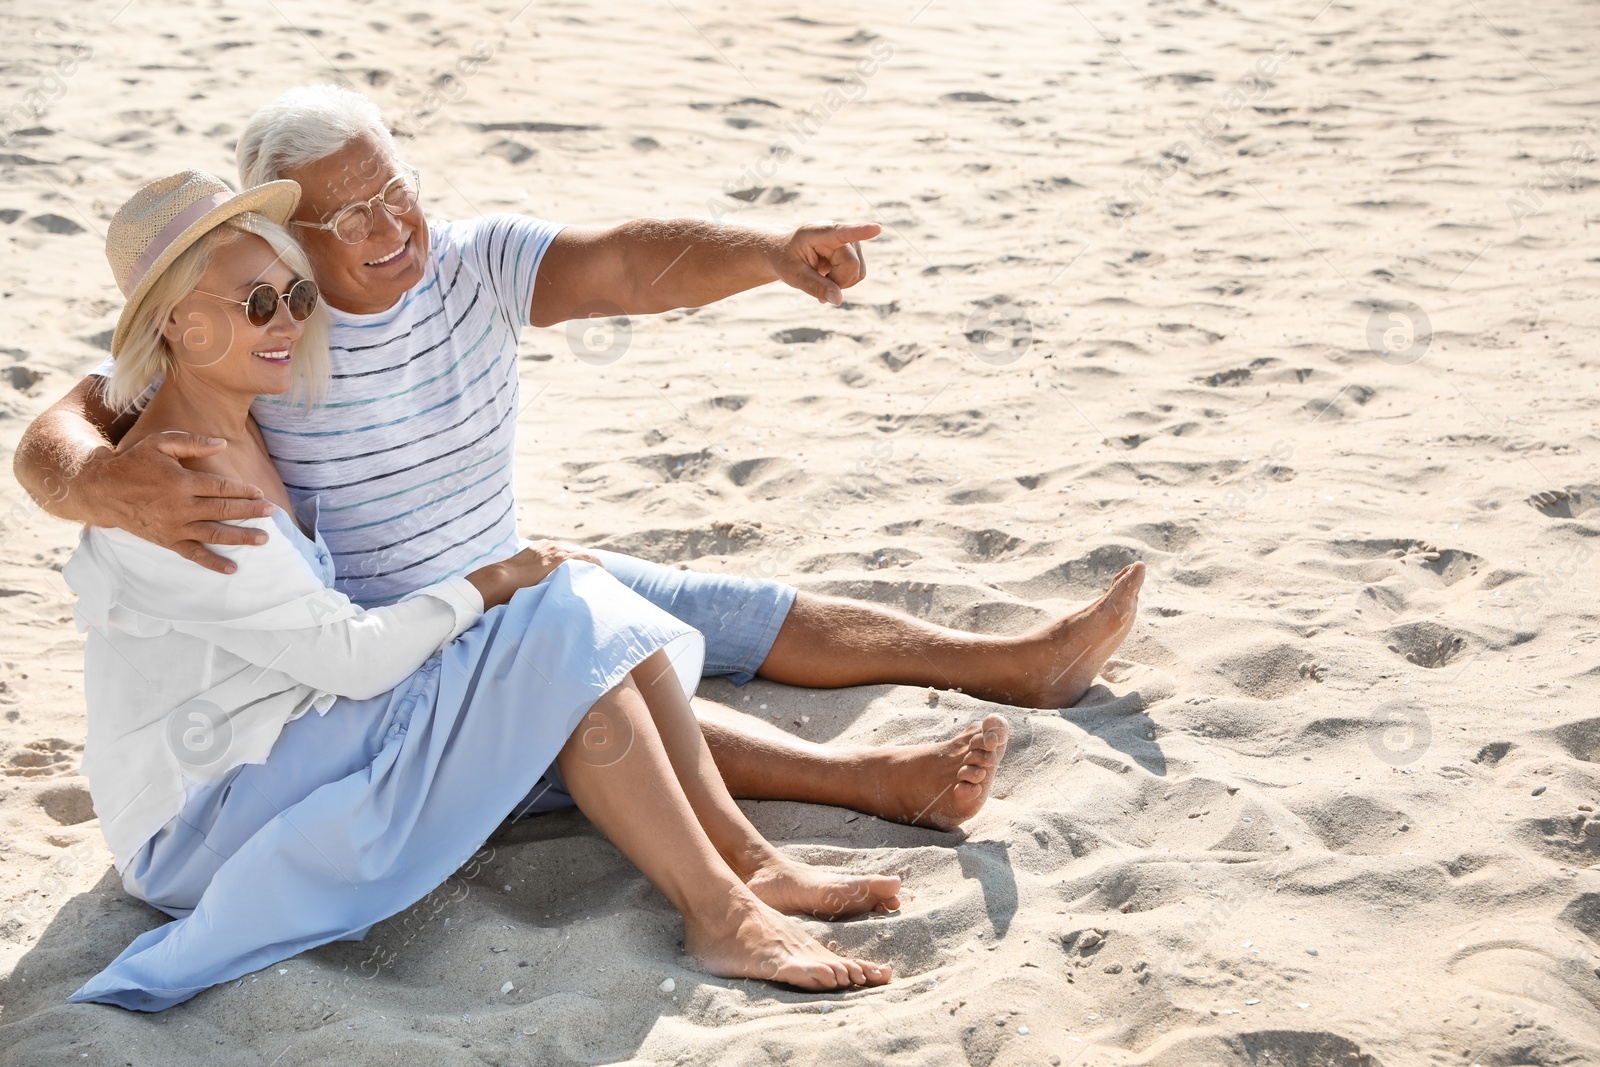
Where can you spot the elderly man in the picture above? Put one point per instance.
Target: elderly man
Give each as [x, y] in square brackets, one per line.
[410, 454]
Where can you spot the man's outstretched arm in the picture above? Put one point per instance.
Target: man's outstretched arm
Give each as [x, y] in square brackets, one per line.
[68, 462]
[653, 265]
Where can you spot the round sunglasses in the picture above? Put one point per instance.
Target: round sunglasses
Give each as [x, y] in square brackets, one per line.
[352, 223]
[262, 303]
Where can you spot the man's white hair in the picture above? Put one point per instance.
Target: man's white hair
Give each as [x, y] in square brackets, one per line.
[305, 125]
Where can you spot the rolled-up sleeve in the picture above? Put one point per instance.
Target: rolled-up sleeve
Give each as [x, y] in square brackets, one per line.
[463, 598]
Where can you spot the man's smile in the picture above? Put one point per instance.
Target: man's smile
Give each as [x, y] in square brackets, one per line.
[381, 260]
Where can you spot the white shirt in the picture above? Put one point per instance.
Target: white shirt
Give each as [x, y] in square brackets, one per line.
[189, 673]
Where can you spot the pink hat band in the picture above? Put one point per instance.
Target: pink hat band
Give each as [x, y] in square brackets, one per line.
[169, 233]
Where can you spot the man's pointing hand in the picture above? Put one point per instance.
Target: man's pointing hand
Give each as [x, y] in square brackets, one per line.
[822, 258]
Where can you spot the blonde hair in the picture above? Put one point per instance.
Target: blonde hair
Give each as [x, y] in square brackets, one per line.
[146, 357]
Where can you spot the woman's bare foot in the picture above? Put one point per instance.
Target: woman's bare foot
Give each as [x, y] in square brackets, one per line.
[798, 889]
[750, 940]
[1058, 664]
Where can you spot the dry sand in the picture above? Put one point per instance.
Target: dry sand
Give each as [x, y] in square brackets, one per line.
[1334, 802]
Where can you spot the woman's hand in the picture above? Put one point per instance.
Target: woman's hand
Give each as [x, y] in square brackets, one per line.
[533, 565]
[498, 581]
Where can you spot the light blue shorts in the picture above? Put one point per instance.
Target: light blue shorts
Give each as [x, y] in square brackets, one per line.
[739, 617]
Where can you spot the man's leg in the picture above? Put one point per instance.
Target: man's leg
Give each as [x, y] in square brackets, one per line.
[827, 642]
[941, 785]
[754, 627]
[769, 629]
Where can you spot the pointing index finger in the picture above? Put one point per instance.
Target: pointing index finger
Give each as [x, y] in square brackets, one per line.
[857, 231]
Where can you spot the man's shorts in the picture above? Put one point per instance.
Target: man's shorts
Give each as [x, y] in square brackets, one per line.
[740, 618]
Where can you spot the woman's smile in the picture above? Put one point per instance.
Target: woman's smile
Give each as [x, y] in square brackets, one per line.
[273, 355]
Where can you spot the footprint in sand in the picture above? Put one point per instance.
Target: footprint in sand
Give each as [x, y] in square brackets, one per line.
[512, 152]
[672, 468]
[38, 759]
[747, 471]
[1561, 503]
[1426, 644]
[68, 804]
[902, 356]
[975, 98]
[1189, 333]
[22, 378]
[57, 224]
[802, 335]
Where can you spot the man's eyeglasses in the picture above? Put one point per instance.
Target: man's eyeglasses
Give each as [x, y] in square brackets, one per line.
[352, 223]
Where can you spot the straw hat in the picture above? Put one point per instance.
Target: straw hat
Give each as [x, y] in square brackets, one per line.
[164, 218]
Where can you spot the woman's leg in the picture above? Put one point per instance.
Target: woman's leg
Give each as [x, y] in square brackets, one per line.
[620, 774]
[792, 888]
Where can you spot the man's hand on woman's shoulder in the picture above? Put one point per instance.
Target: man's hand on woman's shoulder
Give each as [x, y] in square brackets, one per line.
[70, 463]
[146, 490]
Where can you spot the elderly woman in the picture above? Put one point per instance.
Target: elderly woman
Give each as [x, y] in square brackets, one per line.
[265, 830]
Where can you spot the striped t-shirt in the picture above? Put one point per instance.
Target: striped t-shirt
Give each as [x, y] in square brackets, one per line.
[410, 456]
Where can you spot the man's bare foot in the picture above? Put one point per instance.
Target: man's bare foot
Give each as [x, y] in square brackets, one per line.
[1058, 664]
[941, 785]
[798, 889]
[750, 940]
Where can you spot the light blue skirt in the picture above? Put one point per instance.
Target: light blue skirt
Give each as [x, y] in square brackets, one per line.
[359, 813]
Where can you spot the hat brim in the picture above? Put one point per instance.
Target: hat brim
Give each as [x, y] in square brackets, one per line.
[274, 200]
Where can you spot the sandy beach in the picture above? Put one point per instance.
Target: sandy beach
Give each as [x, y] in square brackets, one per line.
[1286, 300]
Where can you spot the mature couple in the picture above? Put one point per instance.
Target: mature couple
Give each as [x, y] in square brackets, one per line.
[295, 481]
